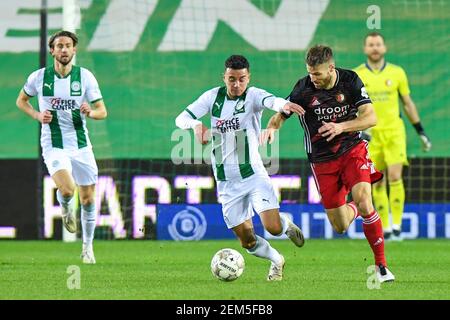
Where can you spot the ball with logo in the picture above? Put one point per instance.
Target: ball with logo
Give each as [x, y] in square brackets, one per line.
[227, 264]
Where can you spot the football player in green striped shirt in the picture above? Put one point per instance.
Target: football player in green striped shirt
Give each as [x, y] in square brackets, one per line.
[242, 181]
[65, 95]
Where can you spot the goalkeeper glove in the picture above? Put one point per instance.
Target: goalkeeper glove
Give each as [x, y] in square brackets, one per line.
[426, 142]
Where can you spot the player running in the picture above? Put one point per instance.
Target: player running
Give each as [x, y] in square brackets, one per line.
[242, 181]
[337, 107]
[62, 90]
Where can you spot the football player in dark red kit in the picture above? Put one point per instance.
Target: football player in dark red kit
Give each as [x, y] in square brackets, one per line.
[337, 109]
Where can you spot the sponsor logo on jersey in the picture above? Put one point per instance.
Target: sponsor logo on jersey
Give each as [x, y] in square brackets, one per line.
[228, 125]
[331, 113]
[63, 104]
[379, 241]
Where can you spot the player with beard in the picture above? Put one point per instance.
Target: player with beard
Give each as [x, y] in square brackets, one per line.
[65, 94]
[337, 107]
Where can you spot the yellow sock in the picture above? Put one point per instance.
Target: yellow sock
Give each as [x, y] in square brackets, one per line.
[397, 202]
[381, 201]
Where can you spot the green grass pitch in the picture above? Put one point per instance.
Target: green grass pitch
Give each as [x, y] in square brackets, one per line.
[323, 269]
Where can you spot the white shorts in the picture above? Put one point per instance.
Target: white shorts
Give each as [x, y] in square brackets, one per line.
[80, 163]
[239, 198]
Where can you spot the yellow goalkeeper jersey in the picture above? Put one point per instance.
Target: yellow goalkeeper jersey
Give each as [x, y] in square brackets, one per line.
[384, 87]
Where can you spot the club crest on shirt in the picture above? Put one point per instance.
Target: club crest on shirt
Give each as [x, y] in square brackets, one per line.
[340, 97]
[388, 82]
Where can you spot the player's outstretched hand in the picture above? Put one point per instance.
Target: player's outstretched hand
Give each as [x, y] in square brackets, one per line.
[267, 135]
[45, 117]
[426, 142]
[85, 108]
[202, 133]
[290, 107]
[330, 130]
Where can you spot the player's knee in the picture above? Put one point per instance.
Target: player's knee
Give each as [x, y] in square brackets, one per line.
[379, 186]
[363, 201]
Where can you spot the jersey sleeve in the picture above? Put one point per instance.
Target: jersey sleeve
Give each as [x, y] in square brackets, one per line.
[358, 92]
[93, 93]
[30, 87]
[403, 86]
[265, 100]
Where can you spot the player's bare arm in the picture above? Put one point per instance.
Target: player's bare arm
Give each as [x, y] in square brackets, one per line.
[276, 121]
[97, 113]
[366, 119]
[23, 103]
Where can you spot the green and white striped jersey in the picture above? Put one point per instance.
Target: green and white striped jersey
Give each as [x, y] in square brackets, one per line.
[63, 98]
[235, 126]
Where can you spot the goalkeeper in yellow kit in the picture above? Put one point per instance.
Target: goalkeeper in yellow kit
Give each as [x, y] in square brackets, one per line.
[384, 83]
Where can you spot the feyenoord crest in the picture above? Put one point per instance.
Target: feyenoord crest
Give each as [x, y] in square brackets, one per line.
[239, 108]
[340, 97]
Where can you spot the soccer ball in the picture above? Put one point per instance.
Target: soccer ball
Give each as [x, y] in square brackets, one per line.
[227, 264]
